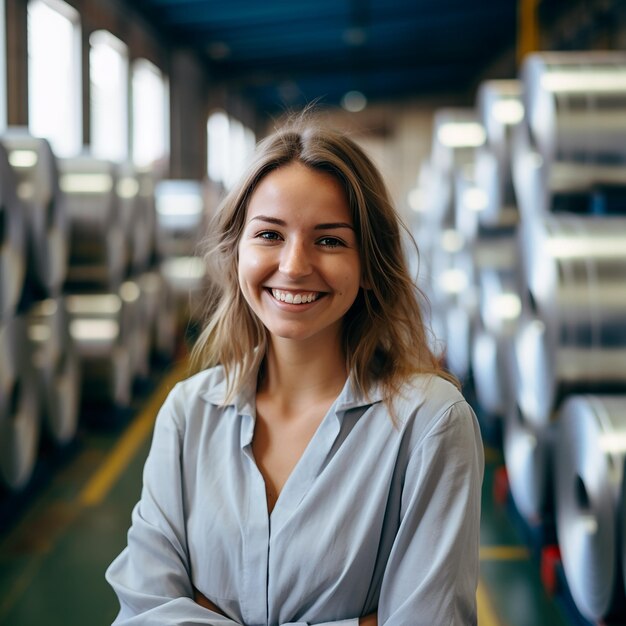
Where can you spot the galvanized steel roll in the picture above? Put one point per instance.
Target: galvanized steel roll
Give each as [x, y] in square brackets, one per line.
[548, 368]
[560, 186]
[137, 328]
[490, 358]
[575, 104]
[12, 241]
[574, 269]
[528, 457]
[57, 368]
[457, 132]
[98, 327]
[187, 278]
[160, 314]
[500, 109]
[98, 245]
[19, 418]
[145, 236]
[37, 178]
[589, 481]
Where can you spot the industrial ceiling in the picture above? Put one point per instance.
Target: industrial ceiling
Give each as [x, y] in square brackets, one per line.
[286, 53]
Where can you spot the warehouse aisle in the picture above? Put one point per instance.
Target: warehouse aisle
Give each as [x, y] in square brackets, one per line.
[51, 569]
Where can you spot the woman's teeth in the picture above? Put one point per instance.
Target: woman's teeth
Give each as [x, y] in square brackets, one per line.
[290, 298]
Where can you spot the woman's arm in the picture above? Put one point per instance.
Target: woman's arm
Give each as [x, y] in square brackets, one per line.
[432, 571]
[151, 577]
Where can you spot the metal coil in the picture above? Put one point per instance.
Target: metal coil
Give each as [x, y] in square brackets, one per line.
[137, 328]
[548, 370]
[19, 419]
[527, 457]
[36, 173]
[187, 278]
[98, 246]
[575, 104]
[160, 314]
[98, 329]
[589, 480]
[12, 241]
[57, 368]
[457, 133]
[560, 186]
[499, 305]
[490, 357]
[145, 236]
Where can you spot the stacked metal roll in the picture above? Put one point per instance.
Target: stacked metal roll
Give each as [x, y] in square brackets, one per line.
[181, 222]
[35, 169]
[19, 418]
[590, 455]
[447, 187]
[98, 243]
[12, 241]
[56, 368]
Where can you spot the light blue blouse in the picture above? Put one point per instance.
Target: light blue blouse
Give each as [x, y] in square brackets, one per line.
[372, 516]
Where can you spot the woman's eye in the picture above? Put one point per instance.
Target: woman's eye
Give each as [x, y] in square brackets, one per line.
[269, 235]
[330, 242]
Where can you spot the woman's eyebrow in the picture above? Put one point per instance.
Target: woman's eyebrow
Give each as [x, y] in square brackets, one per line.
[279, 222]
[332, 225]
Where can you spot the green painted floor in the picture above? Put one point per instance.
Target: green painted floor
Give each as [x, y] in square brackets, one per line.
[54, 553]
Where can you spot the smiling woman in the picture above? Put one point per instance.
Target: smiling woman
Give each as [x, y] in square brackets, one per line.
[321, 469]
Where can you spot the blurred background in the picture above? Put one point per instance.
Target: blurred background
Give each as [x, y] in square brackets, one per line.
[500, 127]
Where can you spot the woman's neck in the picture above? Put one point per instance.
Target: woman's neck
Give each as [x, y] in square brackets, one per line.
[299, 375]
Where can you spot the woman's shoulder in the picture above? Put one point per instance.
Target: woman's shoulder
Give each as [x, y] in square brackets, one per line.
[427, 401]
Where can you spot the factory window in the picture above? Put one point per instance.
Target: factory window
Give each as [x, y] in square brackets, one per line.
[230, 145]
[150, 113]
[3, 68]
[108, 72]
[54, 75]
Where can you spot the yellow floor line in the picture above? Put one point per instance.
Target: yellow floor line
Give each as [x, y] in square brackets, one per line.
[117, 461]
[486, 614]
[504, 553]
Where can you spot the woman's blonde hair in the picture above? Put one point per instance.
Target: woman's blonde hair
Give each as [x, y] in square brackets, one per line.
[384, 335]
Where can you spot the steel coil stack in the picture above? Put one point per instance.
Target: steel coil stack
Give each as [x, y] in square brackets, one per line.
[447, 183]
[524, 241]
[181, 221]
[91, 290]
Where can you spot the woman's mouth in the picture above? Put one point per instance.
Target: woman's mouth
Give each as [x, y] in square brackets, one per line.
[291, 297]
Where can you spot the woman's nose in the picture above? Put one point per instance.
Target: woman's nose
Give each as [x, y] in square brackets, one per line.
[295, 260]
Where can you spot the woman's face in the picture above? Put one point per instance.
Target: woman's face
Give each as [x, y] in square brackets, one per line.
[299, 266]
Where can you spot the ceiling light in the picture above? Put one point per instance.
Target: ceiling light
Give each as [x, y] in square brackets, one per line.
[354, 101]
[461, 135]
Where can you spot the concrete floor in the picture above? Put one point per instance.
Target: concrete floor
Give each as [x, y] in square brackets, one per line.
[63, 535]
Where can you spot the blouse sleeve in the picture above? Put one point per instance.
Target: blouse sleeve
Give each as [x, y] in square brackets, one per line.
[432, 571]
[151, 576]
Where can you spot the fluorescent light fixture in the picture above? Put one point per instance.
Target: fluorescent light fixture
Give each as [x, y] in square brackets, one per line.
[102, 304]
[596, 81]
[603, 248]
[179, 204]
[415, 199]
[129, 291]
[475, 199]
[94, 330]
[508, 111]
[127, 187]
[506, 306]
[354, 101]
[453, 281]
[23, 158]
[452, 241]
[461, 135]
[86, 183]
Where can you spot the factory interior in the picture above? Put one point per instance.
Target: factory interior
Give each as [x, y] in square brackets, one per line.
[500, 129]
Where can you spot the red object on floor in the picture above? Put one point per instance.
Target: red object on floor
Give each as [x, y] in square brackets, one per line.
[550, 558]
[500, 485]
